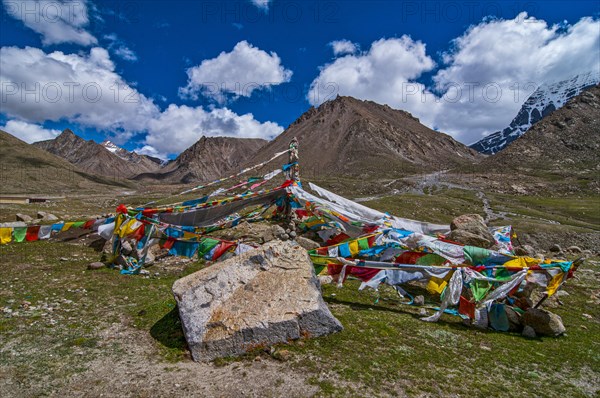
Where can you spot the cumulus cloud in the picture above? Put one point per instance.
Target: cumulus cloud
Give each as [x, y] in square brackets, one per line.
[178, 127]
[58, 21]
[485, 78]
[29, 132]
[81, 88]
[381, 74]
[495, 65]
[262, 4]
[342, 47]
[235, 74]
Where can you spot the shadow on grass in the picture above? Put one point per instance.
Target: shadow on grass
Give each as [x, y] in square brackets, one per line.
[168, 331]
[361, 306]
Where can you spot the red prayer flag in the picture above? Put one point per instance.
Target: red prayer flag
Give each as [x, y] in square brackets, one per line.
[169, 243]
[88, 224]
[221, 249]
[32, 233]
[466, 307]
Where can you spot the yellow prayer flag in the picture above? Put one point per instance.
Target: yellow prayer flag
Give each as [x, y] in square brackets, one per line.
[5, 235]
[555, 283]
[67, 226]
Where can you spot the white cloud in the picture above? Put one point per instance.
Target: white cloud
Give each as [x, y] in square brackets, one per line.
[488, 74]
[381, 74]
[262, 4]
[120, 49]
[58, 21]
[82, 88]
[237, 73]
[150, 151]
[511, 57]
[342, 47]
[29, 132]
[178, 127]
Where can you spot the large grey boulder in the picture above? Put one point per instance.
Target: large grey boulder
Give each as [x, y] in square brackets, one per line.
[264, 296]
[23, 217]
[543, 322]
[470, 229]
[44, 216]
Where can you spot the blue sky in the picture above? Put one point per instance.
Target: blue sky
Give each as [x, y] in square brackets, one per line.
[249, 68]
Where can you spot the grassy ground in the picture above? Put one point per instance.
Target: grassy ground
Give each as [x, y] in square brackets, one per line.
[69, 331]
[384, 350]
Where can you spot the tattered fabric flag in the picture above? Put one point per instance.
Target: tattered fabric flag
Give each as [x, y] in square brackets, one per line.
[221, 249]
[89, 224]
[345, 250]
[19, 234]
[5, 235]
[67, 226]
[32, 233]
[168, 244]
[186, 249]
[45, 232]
[465, 307]
[206, 245]
[106, 230]
[58, 226]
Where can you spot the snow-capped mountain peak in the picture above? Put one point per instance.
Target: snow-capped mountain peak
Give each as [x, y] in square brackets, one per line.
[544, 100]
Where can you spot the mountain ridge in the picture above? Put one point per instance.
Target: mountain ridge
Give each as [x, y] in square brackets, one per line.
[95, 158]
[543, 101]
[350, 136]
[207, 159]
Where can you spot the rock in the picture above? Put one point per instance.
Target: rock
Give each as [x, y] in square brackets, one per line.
[262, 297]
[525, 250]
[325, 279]
[419, 300]
[42, 215]
[555, 248]
[561, 293]
[574, 249]
[257, 232]
[543, 322]
[95, 265]
[471, 239]
[307, 243]
[470, 229]
[277, 230]
[528, 332]
[126, 248]
[467, 221]
[97, 243]
[292, 234]
[284, 236]
[150, 259]
[514, 319]
[23, 217]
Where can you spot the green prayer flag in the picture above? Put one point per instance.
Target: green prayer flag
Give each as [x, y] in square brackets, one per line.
[207, 245]
[19, 234]
[363, 243]
[479, 289]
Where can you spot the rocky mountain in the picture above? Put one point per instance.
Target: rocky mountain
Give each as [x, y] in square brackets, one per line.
[545, 100]
[208, 159]
[567, 142]
[95, 158]
[26, 169]
[354, 137]
[129, 155]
